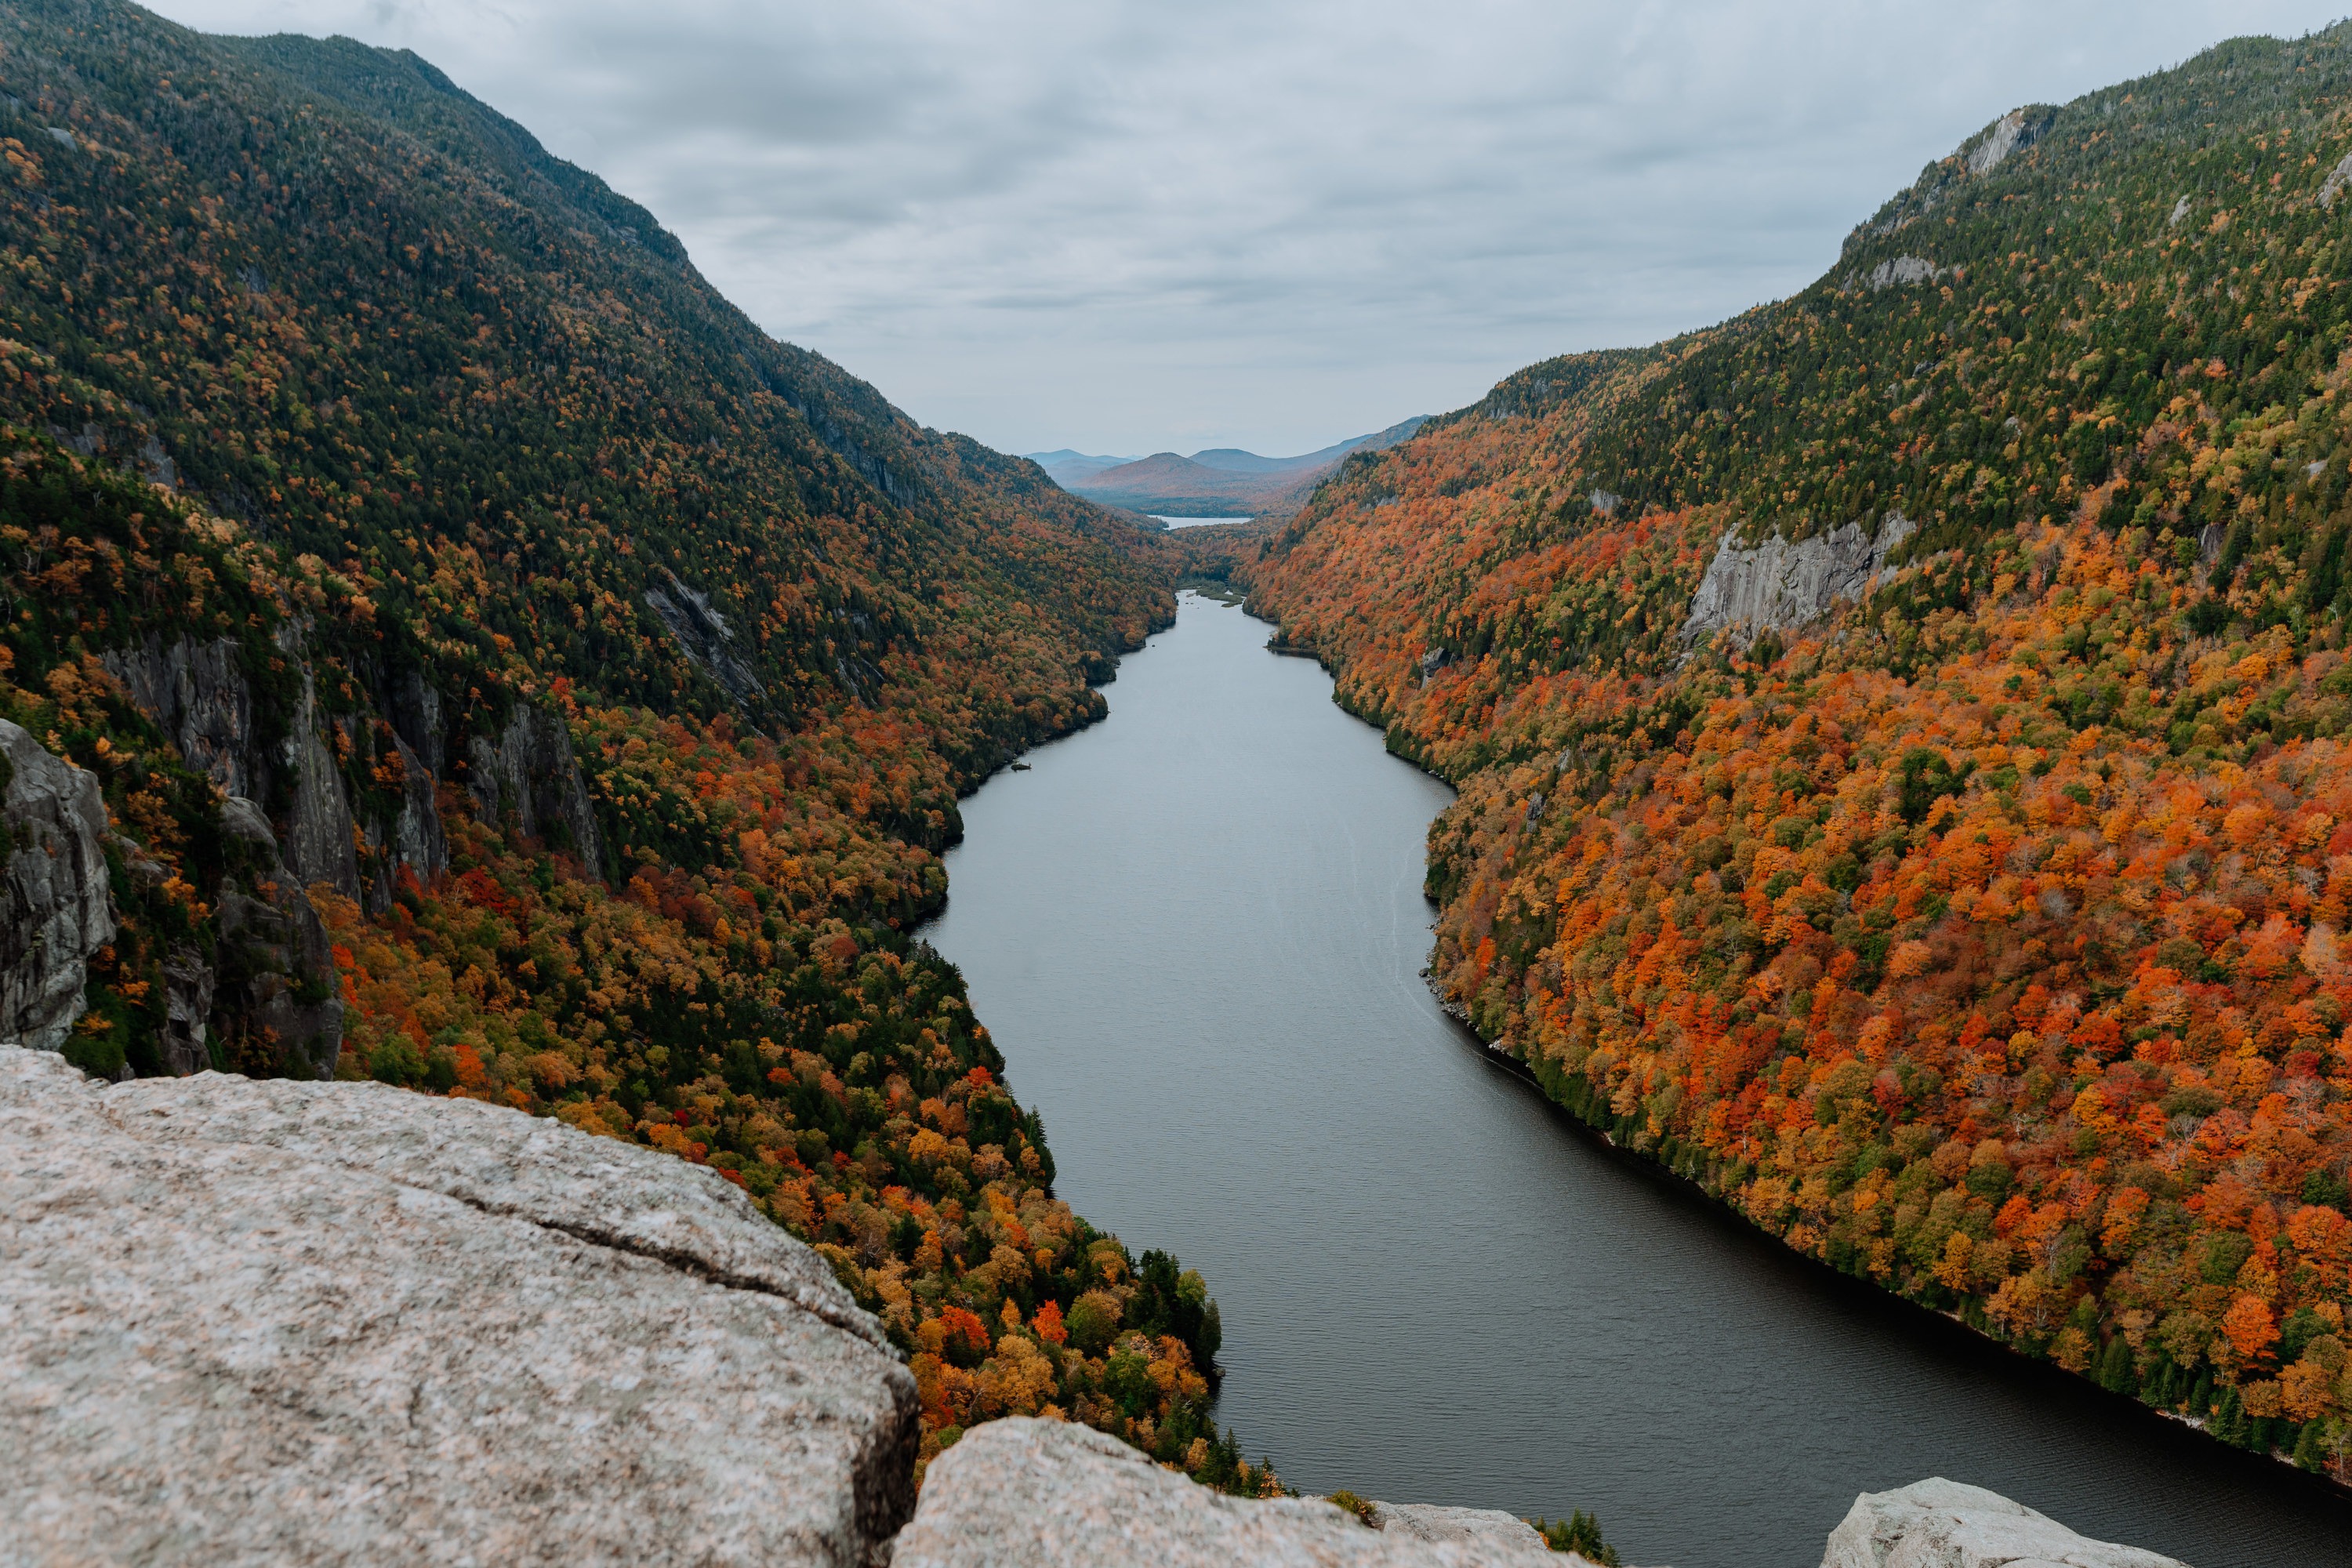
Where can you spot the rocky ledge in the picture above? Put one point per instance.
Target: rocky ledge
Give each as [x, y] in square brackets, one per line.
[295, 1322]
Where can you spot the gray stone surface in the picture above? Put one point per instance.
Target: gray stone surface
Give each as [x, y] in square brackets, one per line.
[704, 635]
[196, 693]
[1901, 270]
[1937, 1523]
[318, 842]
[1782, 584]
[55, 909]
[2009, 134]
[1021, 1493]
[277, 984]
[2330, 188]
[280, 1322]
[1495, 1536]
[530, 771]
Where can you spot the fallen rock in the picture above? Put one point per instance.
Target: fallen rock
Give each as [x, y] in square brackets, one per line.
[55, 909]
[1937, 1523]
[1022, 1493]
[279, 1321]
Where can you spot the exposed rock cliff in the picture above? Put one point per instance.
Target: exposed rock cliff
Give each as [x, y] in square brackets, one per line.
[197, 694]
[286, 1323]
[1937, 1523]
[272, 990]
[530, 770]
[319, 838]
[1779, 584]
[55, 907]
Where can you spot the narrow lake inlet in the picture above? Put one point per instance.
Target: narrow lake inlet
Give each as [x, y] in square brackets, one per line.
[1196, 931]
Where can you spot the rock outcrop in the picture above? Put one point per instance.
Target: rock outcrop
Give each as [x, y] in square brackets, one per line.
[1937, 1523]
[1020, 1493]
[275, 1321]
[197, 695]
[319, 837]
[2012, 132]
[703, 637]
[273, 987]
[1780, 586]
[530, 772]
[56, 907]
[1899, 270]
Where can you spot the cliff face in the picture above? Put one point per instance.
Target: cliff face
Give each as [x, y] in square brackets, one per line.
[265, 998]
[1781, 584]
[55, 911]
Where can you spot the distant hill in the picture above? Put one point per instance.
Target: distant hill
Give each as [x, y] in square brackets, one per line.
[1065, 466]
[1222, 481]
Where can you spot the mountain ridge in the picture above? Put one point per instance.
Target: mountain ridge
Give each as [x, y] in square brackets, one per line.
[502, 672]
[1976, 933]
[1237, 483]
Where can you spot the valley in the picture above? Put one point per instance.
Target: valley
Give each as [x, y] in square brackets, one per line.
[1812, 951]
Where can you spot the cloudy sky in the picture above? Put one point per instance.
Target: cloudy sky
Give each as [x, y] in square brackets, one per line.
[1129, 228]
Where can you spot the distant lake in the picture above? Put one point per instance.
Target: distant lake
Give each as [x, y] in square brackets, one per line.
[1193, 522]
[1195, 931]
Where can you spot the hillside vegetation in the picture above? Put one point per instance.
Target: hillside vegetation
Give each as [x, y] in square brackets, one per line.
[607, 670]
[1988, 937]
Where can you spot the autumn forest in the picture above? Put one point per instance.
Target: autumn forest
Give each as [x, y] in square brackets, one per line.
[609, 674]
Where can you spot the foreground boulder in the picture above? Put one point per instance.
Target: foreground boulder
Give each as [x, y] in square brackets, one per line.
[1020, 1493]
[294, 1322]
[1937, 1523]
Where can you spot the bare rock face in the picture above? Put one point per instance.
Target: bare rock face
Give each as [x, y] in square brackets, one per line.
[1937, 1523]
[530, 771]
[705, 637]
[319, 847]
[56, 907]
[2012, 132]
[1778, 584]
[273, 992]
[1021, 1493]
[198, 696]
[283, 1322]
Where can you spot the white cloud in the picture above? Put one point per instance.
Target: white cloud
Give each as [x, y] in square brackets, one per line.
[1128, 227]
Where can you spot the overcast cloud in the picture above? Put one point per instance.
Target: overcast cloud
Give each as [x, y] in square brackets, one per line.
[1129, 228]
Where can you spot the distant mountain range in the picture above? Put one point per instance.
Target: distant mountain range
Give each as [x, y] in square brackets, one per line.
[1219, 482]
[1063, 465]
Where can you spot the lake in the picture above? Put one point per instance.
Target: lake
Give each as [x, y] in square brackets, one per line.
[1195, 933]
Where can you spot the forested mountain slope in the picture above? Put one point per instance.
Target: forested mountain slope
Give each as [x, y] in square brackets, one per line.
[1961, 891]
[388, 510]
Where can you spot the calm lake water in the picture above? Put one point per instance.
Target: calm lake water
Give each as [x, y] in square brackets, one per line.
[1195, 931]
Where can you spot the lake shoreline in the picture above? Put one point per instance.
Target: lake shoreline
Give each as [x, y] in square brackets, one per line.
[1210, 897]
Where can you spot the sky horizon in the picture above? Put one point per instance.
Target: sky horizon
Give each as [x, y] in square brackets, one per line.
[1125, 230]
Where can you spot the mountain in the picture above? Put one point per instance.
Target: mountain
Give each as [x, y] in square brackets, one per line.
[492, 665]
[1223, 482]
[1063, 466]
[1901, 735]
